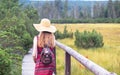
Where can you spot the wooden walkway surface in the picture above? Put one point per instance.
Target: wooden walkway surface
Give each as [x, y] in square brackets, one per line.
[28, 64]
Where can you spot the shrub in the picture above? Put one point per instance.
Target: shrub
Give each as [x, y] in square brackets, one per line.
[63, 35]
[67, 34]
[88, 39]
[58, 35]
[5, 63]
[9, 39]
[88, 20]
[27, 40]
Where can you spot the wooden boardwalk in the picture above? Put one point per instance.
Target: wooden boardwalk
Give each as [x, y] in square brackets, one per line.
[28, 64]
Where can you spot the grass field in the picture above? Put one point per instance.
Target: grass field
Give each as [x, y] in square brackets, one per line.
[108, 56]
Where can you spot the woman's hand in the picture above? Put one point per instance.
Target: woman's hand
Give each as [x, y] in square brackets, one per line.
[34, 59]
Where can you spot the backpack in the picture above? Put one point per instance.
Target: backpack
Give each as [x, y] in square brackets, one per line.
[46, 56]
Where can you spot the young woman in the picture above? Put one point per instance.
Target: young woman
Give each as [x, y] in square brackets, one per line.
[44, 38]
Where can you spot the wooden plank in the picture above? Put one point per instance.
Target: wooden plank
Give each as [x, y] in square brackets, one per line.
[28, 65]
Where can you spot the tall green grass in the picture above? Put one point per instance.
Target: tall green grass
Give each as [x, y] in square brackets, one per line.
[107, 56]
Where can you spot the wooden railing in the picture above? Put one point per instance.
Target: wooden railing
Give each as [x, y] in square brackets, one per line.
[94, 68]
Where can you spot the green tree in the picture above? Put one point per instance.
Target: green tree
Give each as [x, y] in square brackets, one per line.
[5, 63]
[117, 8]
[65, 10]
[58, 9]
[111, 10]
[15, 34]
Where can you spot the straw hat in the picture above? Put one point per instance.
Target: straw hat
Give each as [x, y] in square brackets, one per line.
[45, 25]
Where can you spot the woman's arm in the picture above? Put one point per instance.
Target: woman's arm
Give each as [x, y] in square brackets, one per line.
[34, 54]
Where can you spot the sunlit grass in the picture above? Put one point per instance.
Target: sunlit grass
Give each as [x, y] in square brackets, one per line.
[107, 56]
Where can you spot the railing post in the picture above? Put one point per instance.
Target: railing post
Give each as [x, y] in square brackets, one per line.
[67, 64]
[55, 61]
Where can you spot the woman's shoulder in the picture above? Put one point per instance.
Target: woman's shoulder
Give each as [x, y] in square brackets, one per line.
[35, 38]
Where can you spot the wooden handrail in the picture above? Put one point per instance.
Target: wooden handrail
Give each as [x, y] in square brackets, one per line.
[96, 69]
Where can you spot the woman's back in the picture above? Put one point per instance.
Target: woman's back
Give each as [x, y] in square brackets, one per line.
[45, 39]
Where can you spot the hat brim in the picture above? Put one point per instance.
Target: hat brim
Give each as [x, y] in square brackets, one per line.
[41, 28]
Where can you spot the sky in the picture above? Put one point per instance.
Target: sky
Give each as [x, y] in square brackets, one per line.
[71, 0]
[95, 0]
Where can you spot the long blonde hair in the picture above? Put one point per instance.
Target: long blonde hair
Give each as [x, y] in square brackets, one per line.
[46, 38]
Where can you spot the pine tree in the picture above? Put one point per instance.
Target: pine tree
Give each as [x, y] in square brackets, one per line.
[111, 10]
